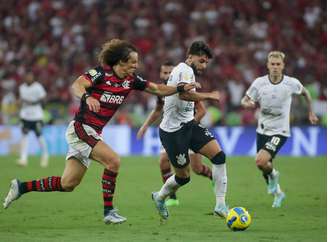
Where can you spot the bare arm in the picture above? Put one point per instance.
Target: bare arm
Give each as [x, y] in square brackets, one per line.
[312, 117]
[79, 89]
[164, 90]
[199, 96]
[200, 111]
[152, 117]
[247, 102]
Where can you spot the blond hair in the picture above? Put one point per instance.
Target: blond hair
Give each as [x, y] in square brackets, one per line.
[276, 54]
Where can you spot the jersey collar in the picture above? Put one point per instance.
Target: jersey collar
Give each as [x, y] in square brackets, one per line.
[282, 78]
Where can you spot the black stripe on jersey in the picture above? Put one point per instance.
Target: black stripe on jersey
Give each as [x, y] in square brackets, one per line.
[99, 116]
[111, 106]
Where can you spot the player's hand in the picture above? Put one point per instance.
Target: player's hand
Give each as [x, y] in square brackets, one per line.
[215, 95]
[313, 118]
[93, 104]
[250, 104]
[141, 132]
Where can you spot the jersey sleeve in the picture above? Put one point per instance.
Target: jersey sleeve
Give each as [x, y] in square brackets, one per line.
[253, 91]
[42, 92]
[296, 86]
[95, 75]
[139, 83]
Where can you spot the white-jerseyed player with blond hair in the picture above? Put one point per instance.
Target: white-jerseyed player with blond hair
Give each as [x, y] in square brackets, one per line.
[31, 96]
[273, 93]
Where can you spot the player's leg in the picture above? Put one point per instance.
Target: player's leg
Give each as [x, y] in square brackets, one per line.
[166, 172]
[176, 145]
[214, 153]
[198, 166]
[43, 144]
[268, 147]
[111, 161]
[72, 176]
[23, 159]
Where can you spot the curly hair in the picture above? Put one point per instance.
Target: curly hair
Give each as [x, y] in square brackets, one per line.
[115, 50]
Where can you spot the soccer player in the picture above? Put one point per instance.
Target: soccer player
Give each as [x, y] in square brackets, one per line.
[179, 132]
[102, 91]
[31, 96]
[273, 93]
[164, 163]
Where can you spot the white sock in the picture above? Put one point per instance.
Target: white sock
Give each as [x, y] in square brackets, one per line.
[273, 173]
[169, 187]
[278, 190]
[219, 173]
[24, 148]
[44, 147]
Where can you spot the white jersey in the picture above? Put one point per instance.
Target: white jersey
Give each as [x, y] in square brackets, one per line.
[177, 111]
[275, 101]
[31, 95]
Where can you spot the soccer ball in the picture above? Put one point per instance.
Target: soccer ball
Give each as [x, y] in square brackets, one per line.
[238, 219]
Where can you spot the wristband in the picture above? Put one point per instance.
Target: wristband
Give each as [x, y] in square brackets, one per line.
[85, 96]
[180, 88]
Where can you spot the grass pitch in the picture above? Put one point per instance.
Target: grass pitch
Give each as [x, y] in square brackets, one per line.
[77, 216]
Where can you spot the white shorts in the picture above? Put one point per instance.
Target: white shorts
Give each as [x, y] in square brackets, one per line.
[81, 139]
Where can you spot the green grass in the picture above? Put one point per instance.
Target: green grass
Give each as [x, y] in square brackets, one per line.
[77, 216]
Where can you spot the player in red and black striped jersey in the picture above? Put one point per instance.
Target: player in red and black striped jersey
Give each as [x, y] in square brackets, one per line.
[102, 91]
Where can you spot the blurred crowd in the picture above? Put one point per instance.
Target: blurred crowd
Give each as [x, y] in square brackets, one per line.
[58, 40]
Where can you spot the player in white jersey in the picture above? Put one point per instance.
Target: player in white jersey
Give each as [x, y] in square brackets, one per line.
[179, 132]
[31, 96]
[273, 93]
[164, 163]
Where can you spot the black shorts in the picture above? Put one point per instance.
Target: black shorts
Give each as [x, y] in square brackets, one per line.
[35, 126]
[271, 144]
[192, 136]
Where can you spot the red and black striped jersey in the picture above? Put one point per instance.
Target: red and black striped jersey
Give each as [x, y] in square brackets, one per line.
[110, 91]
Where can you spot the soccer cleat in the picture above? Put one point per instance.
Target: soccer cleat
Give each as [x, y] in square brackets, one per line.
[221, 210]
[273, 183]
[22, 163]
[172, 202]
[278, 198]
[112, 217]
[160, 206]
[13, 193]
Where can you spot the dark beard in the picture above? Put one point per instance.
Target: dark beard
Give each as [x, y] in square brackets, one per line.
[194, 69]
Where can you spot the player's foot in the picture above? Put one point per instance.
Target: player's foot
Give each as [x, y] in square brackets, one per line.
[22, 163]
[273, 183]
[112, 217]
[13, 193]
[172, 202]
[160, 206]
[44, 161]
[221, 210]
[278, 198]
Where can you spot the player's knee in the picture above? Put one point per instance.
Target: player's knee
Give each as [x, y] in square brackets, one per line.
[113, 163]
[260, 162]
[182, 180]
[219, 158]
[69, 185]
